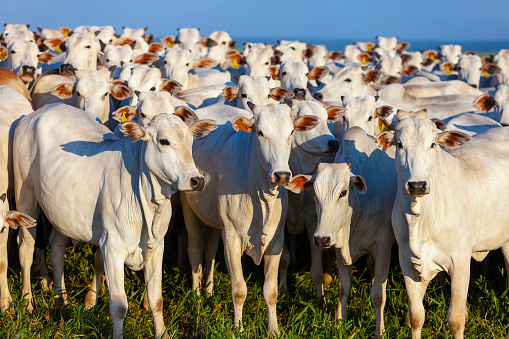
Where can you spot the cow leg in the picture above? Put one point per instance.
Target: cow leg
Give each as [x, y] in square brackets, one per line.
[345, 284]
[505, 252]
[58, 244]
[291, 248]
[182, 258]
[153, 279]
[210, 257]
[233, 255]
[5, 295]
[194, 245]
[316, 270]
[93, 294]
[381, 260]
[460, 276]
[270, 289]
[114, 271]
[283, 270]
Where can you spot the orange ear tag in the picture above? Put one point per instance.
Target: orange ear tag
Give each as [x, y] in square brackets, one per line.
[170, 44]
[235, 64]
[58, 49]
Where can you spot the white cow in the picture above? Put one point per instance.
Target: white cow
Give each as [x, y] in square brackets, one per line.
[434, 227]
[471, 124]
[219, 51]
[291, 50]
[127, 219]
[189, 38]
[295, 76]
[247, 204]
[350, 81]
[451, 53]
[258, 60]
[124, 55]
[81, 50]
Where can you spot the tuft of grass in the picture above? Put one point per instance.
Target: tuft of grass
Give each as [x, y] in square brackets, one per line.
[301, 315]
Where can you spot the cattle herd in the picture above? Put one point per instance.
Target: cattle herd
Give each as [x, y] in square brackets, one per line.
[108, 135]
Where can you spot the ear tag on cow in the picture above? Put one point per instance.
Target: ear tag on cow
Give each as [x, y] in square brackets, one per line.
[448, 70]
[235, 64]
[370, 48]
[382, 126]
[66, 34]
[432, 57]
[487, 75]
[124, 118]
[58, 49]
[364, 60]
[209, 44]
[170, 45]
[1, 56]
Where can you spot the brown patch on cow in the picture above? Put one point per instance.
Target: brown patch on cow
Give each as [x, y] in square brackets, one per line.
[310, 50]
[146, 58]
[203, 128]
[66, 31]
[439, 124]
[205, 63]
[318, 72]
[133, 129]
[230, 92]
[484, 102]
[155, 47]
[274, 71]
[386, 139]
[186, 114]
[427, 62]
[121, 91]
[452, 139]
[124, 114]
[300, 183]
[335, 55]
[390, 79]
[384, 111]
[487, 59]
[405, 57]
[305, 123]
[4, 53]
[55, 44]
[159, 306]
[334, 113]
[9, 78]
[125, 41]
[47, 58]
[281, 93]
[371, 76]
[242, 124]
[207, 42]
[149, 38]
[469, 53]
[170, 85]
[402, 46]
[63, 91]
[16, 219]
[410, 70]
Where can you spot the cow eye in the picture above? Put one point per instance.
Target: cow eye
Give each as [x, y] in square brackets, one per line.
[267, 63]
[370, 118]
[153, 89]
[88, 46]
[244, 95]
[143, 115]
[284, 73]
[164, 142]
[131, 60]
[348, 80]
[342, 194]
[224, 42]
[260, 133]
[13, 52]
[111, 40]
[293, 48]
[187, 64]
[107, 60]
[307, 74]
[398, 145]
[433, 145]
[268, 96]
[79, 94]
[459, 68]
[105, 95]
[164, 62]
[480, 69]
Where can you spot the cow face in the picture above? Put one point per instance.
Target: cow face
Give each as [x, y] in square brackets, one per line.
[82, 51]
[317, 55]
[292, 50]
[23, 59]
[360, 112]
[151, 104]
[388, 45]
[470, 69]
[451, 53]
[294, 76]
[256, 90]
[116, 55]
[347, 82]
[224, 44]
[392, 66]
[144, 79]
[258, 61]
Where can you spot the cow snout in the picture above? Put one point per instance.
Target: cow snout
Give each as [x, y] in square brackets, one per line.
[323, 242]
[318, 96]
[281, 178]
[28, 70]
[417, 188]
[333, 145]
[197, 183]
[473, 85]
[300, 93]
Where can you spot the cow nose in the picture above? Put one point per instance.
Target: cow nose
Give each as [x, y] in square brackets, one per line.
[417, 187]
[28, 70]
[318, 96]
[473, 85]
[197, 183]
[299, 92]
[322, 241]
[281, 178]
[333, 145]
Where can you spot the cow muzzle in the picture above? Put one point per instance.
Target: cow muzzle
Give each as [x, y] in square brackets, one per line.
[318, 96]
[300, 93]
[281, 178]
[197, 183]
[417, 188]
[323, 242]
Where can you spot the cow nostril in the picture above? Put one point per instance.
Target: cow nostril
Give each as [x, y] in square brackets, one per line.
[28, 69]
[281, 178]
[333, 145]
[197, 183]
[299, 92]
[417, 187]
[318, 96]
[473, 85]
[322, 241]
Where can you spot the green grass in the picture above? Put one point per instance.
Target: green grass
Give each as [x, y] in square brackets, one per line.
[300, 316]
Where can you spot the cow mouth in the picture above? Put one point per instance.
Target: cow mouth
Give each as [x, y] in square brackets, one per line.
[27, 78]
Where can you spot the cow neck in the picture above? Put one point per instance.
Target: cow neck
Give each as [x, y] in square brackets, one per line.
[302, 162]
[258, 175]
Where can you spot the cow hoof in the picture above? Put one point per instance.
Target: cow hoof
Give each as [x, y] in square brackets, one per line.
[60, 302]
[46, 284]
[90, 300]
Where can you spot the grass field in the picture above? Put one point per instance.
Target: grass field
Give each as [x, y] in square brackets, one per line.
[300, 316]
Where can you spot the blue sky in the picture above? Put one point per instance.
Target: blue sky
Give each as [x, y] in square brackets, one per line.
[457, 20]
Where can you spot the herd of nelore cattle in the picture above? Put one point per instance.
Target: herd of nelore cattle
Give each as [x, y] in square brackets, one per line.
[110, 134]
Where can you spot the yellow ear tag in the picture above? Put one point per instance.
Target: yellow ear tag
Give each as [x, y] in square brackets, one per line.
[58, 49]
[124, 118]
[370, 48]
[364, 60]
[170, 44]
[487, 75]
[448, 70]
[1, 56]
[235, 64]
[432, 57]
[384, 128]
[66, 34]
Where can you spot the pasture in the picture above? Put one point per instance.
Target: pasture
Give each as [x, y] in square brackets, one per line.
[300, 316]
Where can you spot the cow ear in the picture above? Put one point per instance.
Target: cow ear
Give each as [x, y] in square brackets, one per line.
[386, 139]
[16, 219]
[186, 114]
[484, 102]
[120, 91]
[123, 114]
[207, 42]
[334, 113]
[155, 47]
[230, 92]
[204, 62]
[242, 124]
[281, 93]
[489, 69]
[318, 72]
[134, 130]
[439, 124]
[305, 123]
[146, 58]
[55, 44]
[300, 183]
[4, 53]
[452, 139]
[63, 91]
[402, 46]
[47, 58]
[409, 70]
[359, 183]
[168, 40]
[371, 76]
[203, 128]
[364, 58]
[170, 85]
[406, 58]
[274, 71]
[447, 67]
[384, 111]
[335, 55]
